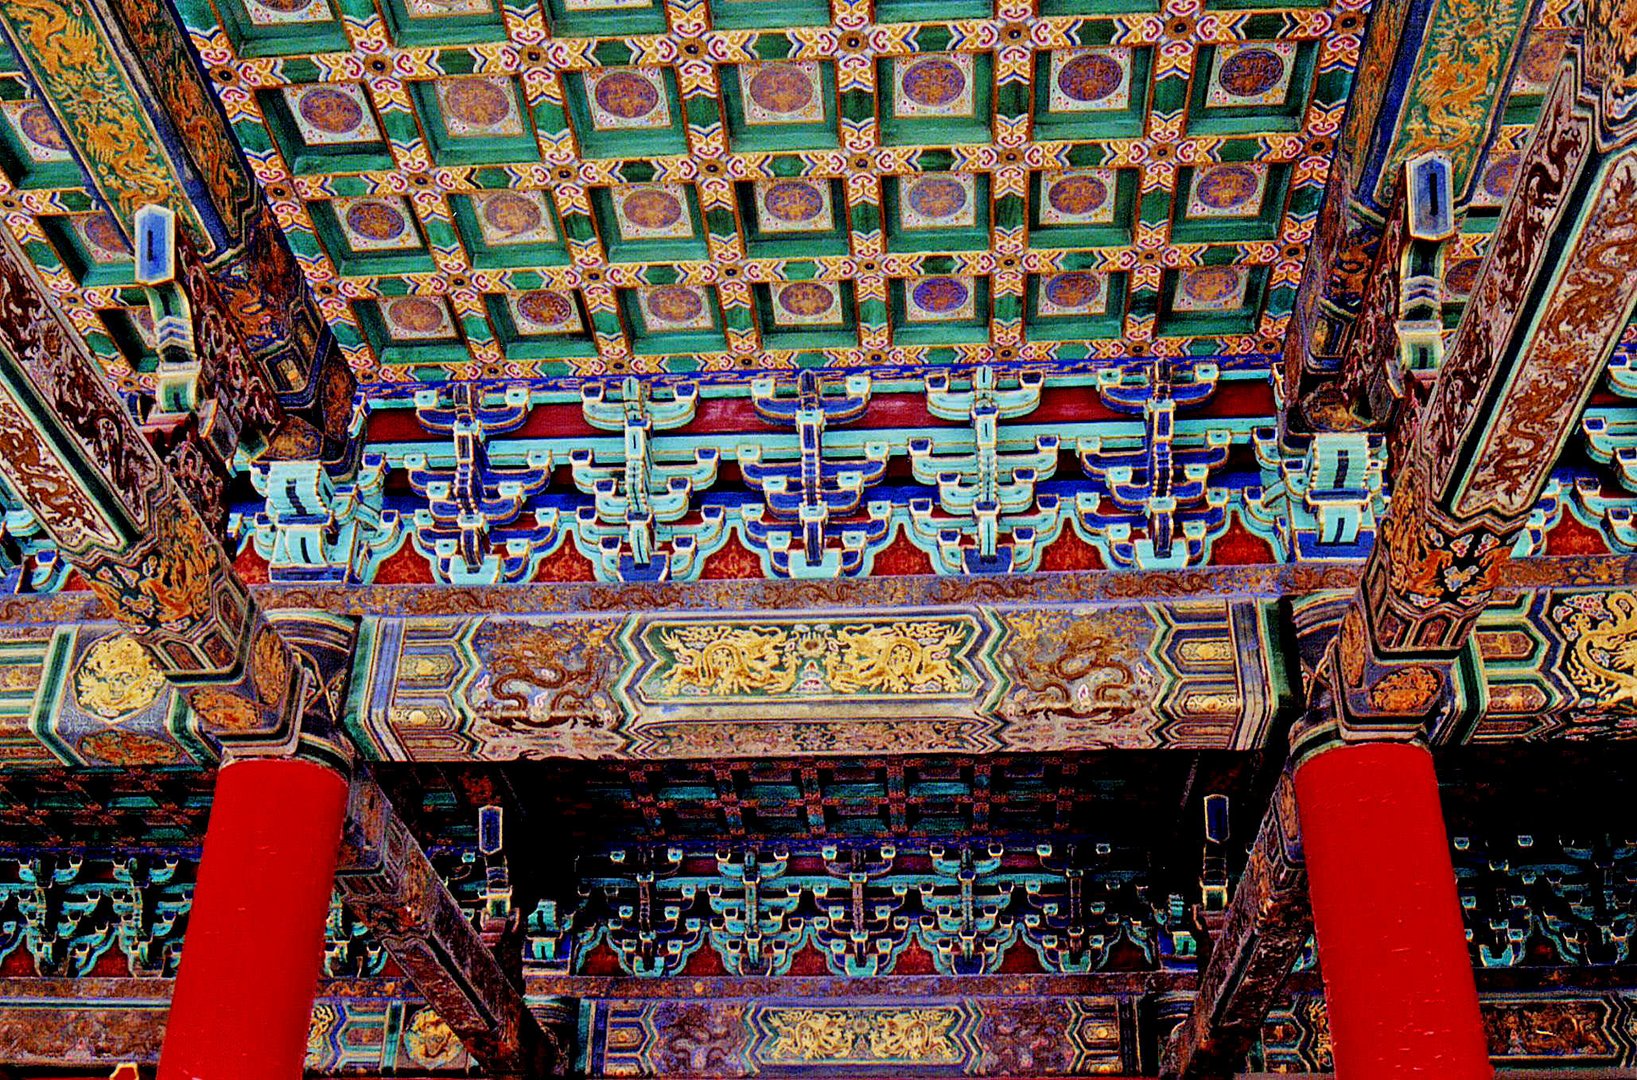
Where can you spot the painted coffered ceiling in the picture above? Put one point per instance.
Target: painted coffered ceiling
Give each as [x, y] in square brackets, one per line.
[1107, 205]
[592, 187]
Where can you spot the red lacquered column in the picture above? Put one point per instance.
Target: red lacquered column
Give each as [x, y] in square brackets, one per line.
[254, 943]
[1398, 982]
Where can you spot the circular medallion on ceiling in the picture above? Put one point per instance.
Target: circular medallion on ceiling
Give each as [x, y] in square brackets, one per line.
[937, 197]
[375, 220]
[1076, 289]
[781, 88]
[793, 201]
[626, 95]
[652, 208]
[1210, 285]
[511, 214]
[481, 103]
[416, 314]
[940, 295]
[331, 111]
[1462, 276]
[285, 7]
[39, 128]
[1501, 174]
[675, 304]
[1090, 78]
[1251, 72]
[105, 236]
[1226, 187]
[807, 299]
[1077, 196]
[934, 82]
[546, 308]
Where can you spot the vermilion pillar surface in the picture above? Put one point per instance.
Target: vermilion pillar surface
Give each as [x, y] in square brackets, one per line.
[1397, 979]
[255, 936]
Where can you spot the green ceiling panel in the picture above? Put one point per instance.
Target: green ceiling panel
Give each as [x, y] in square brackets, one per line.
[480, 188]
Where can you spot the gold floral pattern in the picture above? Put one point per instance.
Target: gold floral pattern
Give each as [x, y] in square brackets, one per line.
[269, 666]
[117, 747]
[223, 713]
[1406, 691]
[430, 1042]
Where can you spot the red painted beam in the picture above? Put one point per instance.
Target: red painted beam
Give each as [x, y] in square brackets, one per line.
[1398, 982]
[255, 936]
[1234, 399]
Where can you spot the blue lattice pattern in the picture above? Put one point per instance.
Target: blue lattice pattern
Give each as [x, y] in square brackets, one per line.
[71, 913]
[470, 525]
[28, 558]
[1149, 471]
[1542, 902]
[1149, 465]
[1077, 908]
[982, 492]
[810, 524]
[1072, 904]
[1548, 900]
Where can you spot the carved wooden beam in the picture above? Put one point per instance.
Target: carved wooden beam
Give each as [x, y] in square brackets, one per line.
[178, 151]
[390, 884]
[73, 453]
[1556, 290]
[1433, 78]
[1267, 923]
[1554, 294]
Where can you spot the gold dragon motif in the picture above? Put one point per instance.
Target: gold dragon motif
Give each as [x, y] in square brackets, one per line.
[726, 660]
[100, 109]
[1462, 64]
[923, 1036]
[895, 659]
[810, 1035]
[1602, 660]
[540, 677]
[117, 678]
[1611, 51]
[899, 658]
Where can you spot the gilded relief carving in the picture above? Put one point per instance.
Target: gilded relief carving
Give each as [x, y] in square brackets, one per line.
[922, 1036]
[1463, 61]
[117, 677]
[1602, 658]
[909, 658]
[100, 111]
